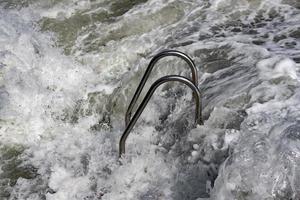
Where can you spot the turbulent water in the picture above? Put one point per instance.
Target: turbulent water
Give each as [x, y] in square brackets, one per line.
[69, 68]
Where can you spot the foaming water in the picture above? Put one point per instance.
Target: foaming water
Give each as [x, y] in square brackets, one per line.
[70, 68]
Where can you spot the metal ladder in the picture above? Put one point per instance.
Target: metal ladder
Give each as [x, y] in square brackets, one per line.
[192, 84]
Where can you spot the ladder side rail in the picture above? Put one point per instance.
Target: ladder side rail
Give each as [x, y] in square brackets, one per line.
[154, 86]
[152, 63]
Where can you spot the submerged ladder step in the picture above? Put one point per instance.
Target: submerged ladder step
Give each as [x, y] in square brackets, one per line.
[192, 84]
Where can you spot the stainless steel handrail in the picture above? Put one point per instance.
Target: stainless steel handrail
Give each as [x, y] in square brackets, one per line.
[153, 61]
[154, 86]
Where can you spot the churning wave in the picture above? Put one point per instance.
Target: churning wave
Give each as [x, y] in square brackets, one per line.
[69, 70]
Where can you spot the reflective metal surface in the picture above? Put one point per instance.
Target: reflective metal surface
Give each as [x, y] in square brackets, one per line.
[154, 86]
[154, 60]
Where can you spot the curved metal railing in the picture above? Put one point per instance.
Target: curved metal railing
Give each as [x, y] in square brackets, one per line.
[154, 86]
[153, 61]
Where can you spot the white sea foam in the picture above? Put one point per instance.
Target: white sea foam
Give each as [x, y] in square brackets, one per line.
[67, 111]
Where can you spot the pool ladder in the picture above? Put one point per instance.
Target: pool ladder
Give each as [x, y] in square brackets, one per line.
[191, 83]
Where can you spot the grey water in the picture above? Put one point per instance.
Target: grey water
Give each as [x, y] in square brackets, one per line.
[69, 68]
